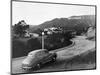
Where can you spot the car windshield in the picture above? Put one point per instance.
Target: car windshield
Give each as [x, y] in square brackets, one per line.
[31, 55]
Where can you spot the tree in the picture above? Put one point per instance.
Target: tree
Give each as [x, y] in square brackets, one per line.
[20, 28]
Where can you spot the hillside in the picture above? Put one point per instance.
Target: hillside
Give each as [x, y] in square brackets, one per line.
[90, 19]
[78, 23]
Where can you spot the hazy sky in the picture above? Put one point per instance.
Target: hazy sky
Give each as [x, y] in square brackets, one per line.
[37, 13]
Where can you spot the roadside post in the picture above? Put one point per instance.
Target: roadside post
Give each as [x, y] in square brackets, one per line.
[42, 40]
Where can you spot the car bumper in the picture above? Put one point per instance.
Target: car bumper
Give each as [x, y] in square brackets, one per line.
[26, 68]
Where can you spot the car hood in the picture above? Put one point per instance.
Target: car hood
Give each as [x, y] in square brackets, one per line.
[29, 60]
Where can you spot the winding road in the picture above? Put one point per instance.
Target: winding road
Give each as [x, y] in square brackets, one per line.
[80, 46]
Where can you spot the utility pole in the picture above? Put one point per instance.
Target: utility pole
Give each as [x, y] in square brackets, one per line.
[42, 40]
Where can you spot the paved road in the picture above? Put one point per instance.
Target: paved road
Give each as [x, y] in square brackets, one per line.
[64, 55]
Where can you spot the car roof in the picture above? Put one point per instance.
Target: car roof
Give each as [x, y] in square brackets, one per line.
[35, 51]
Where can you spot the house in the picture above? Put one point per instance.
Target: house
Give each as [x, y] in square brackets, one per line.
[34, 35]
[28, 34]
[52, 30]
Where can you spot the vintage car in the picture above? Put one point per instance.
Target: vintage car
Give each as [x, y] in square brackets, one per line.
[37, 58]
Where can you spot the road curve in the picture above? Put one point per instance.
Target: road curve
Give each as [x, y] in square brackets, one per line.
[81, 46]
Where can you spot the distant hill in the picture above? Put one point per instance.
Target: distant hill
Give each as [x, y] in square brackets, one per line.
[78, 23]
[90, 19]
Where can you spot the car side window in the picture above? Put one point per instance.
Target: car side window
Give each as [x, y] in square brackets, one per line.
[39, 54]
[46, 51]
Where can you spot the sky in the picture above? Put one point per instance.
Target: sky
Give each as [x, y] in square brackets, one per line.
[37, 13]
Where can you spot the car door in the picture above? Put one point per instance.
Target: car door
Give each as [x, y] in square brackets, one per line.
[47, 57]
[40, 56]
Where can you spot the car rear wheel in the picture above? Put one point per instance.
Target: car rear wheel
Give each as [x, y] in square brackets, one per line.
[53, 59]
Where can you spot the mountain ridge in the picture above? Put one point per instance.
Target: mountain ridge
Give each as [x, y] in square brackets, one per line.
[67, 23]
